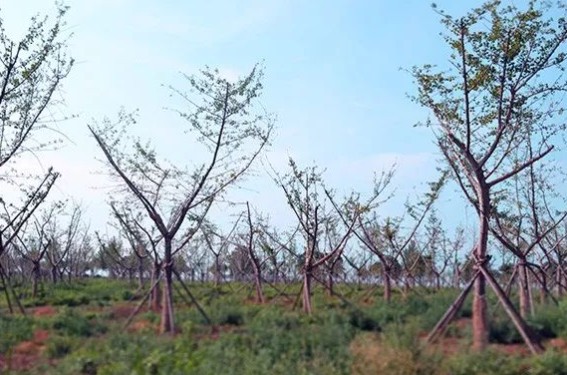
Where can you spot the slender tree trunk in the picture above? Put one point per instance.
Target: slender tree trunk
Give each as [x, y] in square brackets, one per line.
[140, 273]
[330, 283]
[479, 308]
[543, 291]
[406, 285]
[258, 282]
[35, 279]
[6, 292]
[217, 270]
[523, 286]
[54, 274]
[387, 286]
[276, 274]
[456, 277]
[559, 280]
[156, 292]
[167, 318]
[307, 280]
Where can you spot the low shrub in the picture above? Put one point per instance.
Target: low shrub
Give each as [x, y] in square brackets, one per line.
[485, 363]
[549, 320]
[14, 329]
[549, 363]
[362, 321]
[503, 331]
[71, 323]
[58, 346]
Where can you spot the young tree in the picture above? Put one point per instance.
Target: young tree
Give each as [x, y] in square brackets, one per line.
[128, 228]
[521, 226]
[251, 241]
[386, 240]
[310, 203]
[62, 239]
[31, 71]
[176, 200]
[498, 95]
[33, 243]
[218, 244]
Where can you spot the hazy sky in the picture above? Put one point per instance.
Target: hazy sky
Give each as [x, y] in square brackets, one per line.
[333, 76]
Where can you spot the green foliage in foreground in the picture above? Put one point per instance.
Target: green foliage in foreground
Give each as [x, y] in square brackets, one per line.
[267, 346]
[14, 329]
[339, 338]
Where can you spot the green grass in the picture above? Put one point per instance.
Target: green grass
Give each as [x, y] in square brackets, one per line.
[86, 336]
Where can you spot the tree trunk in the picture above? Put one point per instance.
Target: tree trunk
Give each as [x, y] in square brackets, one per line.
[330, 283]
[156, 292]
[479, 315]
[167, 318]
[543, 291]
[217, 270]
[307, 308]
[54, 274]
[387, 286]
[479, 308]
[559, 280]
[258, 281]
[523, 286]
[6, 291]
[35, 279]
[140, 273]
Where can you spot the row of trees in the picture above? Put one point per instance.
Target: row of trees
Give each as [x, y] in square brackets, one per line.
[497, 116]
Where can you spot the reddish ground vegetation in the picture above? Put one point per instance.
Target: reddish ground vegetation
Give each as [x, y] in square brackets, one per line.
[44, 311]
[558, 343]
[26, 354]
[123, 311]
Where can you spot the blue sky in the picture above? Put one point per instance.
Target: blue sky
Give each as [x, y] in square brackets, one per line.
[333, 78]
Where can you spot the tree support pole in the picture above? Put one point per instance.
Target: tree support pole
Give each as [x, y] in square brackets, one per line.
[529, 336]
[193, 299]
[450, 314]
[7, 287]
[141, 303]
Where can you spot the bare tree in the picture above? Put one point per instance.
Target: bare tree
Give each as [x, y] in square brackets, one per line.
[251, 240]
[176, 200]
[307, 196]
[62, 239]
[33, 244]
[31, 71]
[495, 98]
[218, 244]
[128, 225]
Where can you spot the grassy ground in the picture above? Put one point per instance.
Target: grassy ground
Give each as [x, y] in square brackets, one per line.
[79, 329]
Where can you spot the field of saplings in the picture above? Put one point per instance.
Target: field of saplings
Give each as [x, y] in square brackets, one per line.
[208, 244]
[98, 326]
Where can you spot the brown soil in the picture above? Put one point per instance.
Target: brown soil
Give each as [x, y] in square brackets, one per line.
[123, 311]
[26, 354]
[44, 311]
[512, 349]
[448, 346]
[558, 344]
